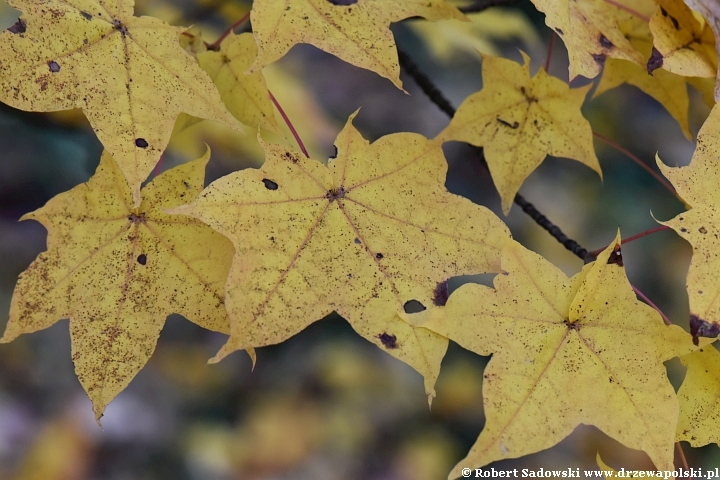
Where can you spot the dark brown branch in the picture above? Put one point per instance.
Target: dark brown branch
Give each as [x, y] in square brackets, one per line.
[437, 97]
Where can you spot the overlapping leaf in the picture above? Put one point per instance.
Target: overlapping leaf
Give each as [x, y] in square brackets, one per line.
[682, 44]
[697, 185]
[668, 89]
[246, 96]
[591, 32]
[698, 395]
[565, 351]
[370, 235]
[710, 10]
[519, 120]
[117, 272]
[356, 32]
[128, 74]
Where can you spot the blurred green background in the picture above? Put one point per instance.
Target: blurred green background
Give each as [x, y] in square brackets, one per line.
[325, 404]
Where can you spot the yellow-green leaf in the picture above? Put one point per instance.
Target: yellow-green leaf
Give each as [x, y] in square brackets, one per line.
[519, 121]
[697, 185]
[682, 44]
[668, 89]
[128, 74]
[358, 33]
[698, 396]
[118, 271]
[590, 30]
[565, 351]
[364, 236]
[246, 96]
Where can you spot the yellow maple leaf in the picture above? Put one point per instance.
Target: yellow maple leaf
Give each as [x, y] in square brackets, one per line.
[246, 96]
[117, 272]
[590, 31]
[697, 186]
[519, 120]
[373, 233]
[565, 351]
[698, 396]
[357, 33]
[128, 74]
[668, 89]
[682, 44]
[710, 10]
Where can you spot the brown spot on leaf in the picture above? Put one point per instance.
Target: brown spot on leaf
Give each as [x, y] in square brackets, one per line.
[514, 125]
[269, 184]
[702, 230]
[616, 257]
[655, 61]
[440, 294]
[335, 193]
[141, 142]
[413, 306]
[605, 42]
[701, 328]
[388, 341]
[142, 259]
[599, 58]
[54, 66]
[18, 27]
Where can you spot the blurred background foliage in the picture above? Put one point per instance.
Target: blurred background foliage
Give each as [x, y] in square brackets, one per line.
[325, 404]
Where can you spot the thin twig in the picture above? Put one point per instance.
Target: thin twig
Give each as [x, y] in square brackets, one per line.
[678, 447]
[650, 302]
[289, 124]
[634, 237]
[437, 97]
[637, 160]
[550, 51]
[631, 11]
[215, 46]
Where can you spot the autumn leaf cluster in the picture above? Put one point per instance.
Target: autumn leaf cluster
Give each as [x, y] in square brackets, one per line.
[371, 233]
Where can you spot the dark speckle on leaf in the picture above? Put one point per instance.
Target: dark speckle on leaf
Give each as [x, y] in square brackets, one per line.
[413, 306]
[142, 259]
[389, 341]
[141, 142]
[54, 66]
[19, 27]
[513, 125]
[269, 184]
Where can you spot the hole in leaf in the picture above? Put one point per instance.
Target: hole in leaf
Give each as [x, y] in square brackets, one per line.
[357, 241]
[413, 306]
[343, 2]
[379, 256]
[142, 259]
[141, 142]
[86, 15]
[54, 66]
[388, 341]
[615, 256]
[269, 184]
[19, 27]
